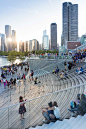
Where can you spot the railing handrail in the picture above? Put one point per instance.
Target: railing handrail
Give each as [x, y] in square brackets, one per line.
[45, 95]
[48, 66]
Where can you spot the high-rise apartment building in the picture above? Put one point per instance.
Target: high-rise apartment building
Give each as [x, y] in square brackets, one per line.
[45, 41]
[30, 45]
[40, 46]
[70, 22]
[8, 37]
[35, 45]
[53, 43]
[14, 42]
[27, 46]
[3, 42]
[21, 46]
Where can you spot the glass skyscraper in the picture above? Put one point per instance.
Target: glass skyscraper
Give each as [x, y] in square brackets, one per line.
[45, 41]
[8, 31]
[53, 43]
[8, 37]
[14, 42]
[70, 22]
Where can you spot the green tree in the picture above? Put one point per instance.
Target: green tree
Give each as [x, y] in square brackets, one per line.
[11, 56]
[54, 51]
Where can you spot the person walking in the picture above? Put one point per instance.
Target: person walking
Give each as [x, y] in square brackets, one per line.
[4, 80]
[0, 80]
[65, 64]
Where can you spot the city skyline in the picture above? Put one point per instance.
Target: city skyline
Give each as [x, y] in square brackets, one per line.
[30, 18]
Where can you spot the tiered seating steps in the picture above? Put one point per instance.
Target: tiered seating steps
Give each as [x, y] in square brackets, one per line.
[73, 123]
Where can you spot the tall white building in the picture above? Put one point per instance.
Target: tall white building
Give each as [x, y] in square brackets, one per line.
[45, 41]
[44, 32]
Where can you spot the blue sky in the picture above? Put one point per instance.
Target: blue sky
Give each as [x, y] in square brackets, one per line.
[30, 17]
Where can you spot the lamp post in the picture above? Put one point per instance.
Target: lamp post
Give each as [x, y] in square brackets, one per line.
[76, 47]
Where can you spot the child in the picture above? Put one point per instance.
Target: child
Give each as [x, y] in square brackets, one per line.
[22, 108]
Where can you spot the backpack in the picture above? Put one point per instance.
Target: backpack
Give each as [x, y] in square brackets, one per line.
[73, 105]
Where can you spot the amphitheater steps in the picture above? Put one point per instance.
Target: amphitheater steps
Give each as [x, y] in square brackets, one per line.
[73, 123]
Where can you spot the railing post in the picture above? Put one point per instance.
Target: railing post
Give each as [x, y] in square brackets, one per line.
[19, 85]
[8, 117]
[29, 113]
[10, 95]
[52, 84]
[24, 87]
[24, 91]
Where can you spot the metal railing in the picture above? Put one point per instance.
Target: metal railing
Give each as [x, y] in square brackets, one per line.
[50, 57]
[49, 84]
[9, 117]
[41, 65]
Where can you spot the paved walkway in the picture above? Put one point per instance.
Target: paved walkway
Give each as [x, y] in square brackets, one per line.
[8, 77]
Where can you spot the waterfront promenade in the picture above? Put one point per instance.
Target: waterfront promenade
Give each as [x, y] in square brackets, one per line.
[8, 77]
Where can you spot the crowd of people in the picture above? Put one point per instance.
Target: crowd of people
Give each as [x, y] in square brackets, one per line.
[8, 72]
[62, 74]
[79, 57]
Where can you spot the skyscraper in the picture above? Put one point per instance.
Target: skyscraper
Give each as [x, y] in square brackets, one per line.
[0, 43]
[44, 32]
[3, 42]
[70, 22]
[53, 43]
[26, 46]
[21, 46]
[14, 42]
[35, 45]
[4, 45]
[45, 41]
[8, 37]
[8, 31]
[30, 45]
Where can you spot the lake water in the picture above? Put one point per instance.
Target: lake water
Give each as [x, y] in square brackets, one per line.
[4, 61]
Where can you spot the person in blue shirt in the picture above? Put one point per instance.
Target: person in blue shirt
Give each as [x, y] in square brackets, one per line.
[80, 71]
[57, 70]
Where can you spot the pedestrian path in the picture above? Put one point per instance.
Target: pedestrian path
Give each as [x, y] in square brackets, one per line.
[8, 77]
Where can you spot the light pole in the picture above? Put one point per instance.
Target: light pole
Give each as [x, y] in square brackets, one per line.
[76, 47]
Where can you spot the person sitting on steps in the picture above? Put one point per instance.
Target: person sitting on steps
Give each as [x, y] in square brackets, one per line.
[36, 81]
[53, 114]
[46, 111]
